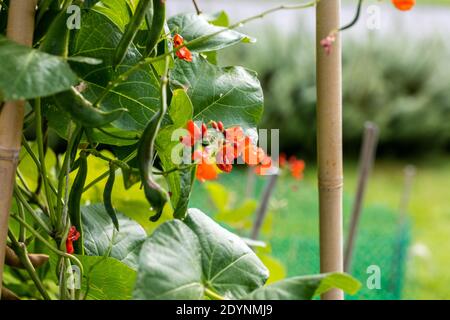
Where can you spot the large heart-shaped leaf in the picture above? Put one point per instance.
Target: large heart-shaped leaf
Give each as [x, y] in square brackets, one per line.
[230, 267]
[305, 287]
[107, 279]
[28, 73]
[101, 238]
[213, 258]
[169, 264]
[192, 26]
[232, 95]
[98, 38]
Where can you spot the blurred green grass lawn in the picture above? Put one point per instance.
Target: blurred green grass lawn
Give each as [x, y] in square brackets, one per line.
[428, 261]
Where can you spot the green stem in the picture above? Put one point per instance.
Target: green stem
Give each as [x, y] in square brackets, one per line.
[355, 19]
[21, 250]
[122, 164]
[22, 231]
[197, 8]
[43, 169]
[22, 200]
[32, 198]
[46, 243]
[35, 159]
[213, 295]
[62, 279]
[116, 136]
[63, 179]
[105, 174]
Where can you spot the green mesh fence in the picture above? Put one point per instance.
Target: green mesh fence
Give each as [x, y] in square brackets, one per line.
[380, 242]
[293, 236]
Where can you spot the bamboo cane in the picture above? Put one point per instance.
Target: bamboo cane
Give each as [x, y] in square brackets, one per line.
[20, 28]
[329, 143]
[367, 158]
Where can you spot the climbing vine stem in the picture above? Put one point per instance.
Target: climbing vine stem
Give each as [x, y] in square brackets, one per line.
[43, 169]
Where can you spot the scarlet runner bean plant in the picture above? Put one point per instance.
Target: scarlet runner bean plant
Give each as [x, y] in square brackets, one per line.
[148, 89]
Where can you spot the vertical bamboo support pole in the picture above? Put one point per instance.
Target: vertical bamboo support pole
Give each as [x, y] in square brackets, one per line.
[329, 143]
[20, 28]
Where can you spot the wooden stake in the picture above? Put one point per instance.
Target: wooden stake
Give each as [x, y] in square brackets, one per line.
[367, 158]
[261, 212]
[20, 28]
[329, 142]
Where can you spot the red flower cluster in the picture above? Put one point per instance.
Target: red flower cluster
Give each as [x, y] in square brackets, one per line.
[220, 148]
[295, 166]
[71, 237]
[182, 53]
[404, 5]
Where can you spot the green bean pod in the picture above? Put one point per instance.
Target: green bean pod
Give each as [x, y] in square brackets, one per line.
[149, 16]
[107, 196]
[155, 194]
[56, 40]
[74, 203]
[83, 112]
[130, 32]
[73, 151]
[159, 17]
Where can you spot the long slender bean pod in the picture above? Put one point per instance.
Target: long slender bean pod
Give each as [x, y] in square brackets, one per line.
[155, 194]
[74, 204]
[159, 17]
[107, 195]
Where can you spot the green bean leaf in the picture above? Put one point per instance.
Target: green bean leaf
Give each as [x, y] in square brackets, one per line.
[107, 278]
[192, 26]
[232, 95]
[305, 287]
[29, 73]
[213, 258]
[101, 238]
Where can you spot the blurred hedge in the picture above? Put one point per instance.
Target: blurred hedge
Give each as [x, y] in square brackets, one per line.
[401, 84]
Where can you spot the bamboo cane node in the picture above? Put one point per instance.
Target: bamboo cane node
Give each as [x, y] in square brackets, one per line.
[9, 154]
[331, 184]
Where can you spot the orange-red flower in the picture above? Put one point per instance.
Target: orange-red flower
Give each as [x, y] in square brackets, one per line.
[182, 53]
[297, 167]
[235, 139]
[265, 166]
[252, 155]
[404, 5]
[194, 135]
[206, 169]
[71, 237]
[225, 167]
[218, 152]
[178, 40]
